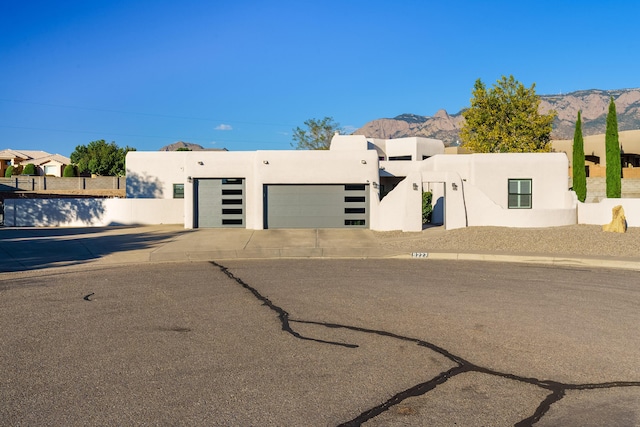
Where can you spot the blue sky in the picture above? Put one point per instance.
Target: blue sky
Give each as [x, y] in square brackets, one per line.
[242, 74]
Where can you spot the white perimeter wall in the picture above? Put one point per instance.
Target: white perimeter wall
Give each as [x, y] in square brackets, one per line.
[601, 213]
[91, 212]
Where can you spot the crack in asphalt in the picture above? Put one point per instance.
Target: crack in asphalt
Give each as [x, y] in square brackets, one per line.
[557, 389]
[282, 314]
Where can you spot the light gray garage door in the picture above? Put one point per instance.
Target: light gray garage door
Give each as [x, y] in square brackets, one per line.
[219, 202]
[316, 206]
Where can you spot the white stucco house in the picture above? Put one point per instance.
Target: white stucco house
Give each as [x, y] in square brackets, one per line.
[358, 183]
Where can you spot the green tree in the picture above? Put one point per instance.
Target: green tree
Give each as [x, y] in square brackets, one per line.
[69, 171]
[427, 209]
[9, 172]
[579, 173]
[184, 149]
[29, 169]
[612, 147]
[505, 119]
[100, 158]
[316, 136]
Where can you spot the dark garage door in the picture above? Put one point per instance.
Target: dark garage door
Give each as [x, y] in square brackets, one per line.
[219, 202]
[316, 206]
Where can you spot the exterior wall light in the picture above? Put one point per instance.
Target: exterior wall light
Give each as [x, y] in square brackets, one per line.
[454, 186]
[364, 162]
[415, 186]
[201, 163]
[375, 185]
[266, 162]
[189, 179]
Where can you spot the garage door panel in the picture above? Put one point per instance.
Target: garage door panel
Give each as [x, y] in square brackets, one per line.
[219, 202]
[316, 206]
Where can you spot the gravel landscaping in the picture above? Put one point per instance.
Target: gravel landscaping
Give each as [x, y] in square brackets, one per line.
[587, 240]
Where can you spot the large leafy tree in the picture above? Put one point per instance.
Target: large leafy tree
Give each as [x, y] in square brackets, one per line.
[100, 158]
[612, 153]
[317, 134]
[505, 118]
[578, 168]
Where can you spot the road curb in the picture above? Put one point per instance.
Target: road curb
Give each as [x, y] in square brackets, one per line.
[528, 259]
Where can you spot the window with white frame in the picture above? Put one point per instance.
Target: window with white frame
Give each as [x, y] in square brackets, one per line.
[520, 194]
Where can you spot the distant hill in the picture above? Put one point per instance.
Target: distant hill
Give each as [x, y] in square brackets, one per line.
[182, 144]
[594, 104]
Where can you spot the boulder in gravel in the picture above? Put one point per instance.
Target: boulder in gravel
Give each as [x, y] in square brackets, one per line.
[619, 223]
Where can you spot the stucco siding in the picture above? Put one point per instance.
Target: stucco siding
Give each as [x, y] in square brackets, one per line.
[601, 213]
[90, 212]
[472, 189]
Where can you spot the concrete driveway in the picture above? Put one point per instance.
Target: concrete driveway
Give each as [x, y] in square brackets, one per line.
[35, 248]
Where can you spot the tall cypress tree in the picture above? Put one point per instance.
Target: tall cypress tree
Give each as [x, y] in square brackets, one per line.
[612, 146]
[579, 173]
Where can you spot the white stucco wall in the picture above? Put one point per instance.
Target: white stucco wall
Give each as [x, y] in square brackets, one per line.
[481, 197]
[601, 213]
[490, 174]
[151, 174]
[482, 211]
[88, 212]
[348, 143]
[415, 147]
[401, 208]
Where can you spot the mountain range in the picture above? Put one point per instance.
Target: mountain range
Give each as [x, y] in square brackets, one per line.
[593, 103]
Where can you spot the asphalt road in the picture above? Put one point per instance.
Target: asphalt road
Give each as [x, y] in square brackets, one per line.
[320, 343]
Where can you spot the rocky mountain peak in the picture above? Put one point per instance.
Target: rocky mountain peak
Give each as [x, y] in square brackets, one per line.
[594, 104]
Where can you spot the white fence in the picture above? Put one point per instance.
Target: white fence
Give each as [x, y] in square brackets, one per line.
[600, 213]
[91, 212]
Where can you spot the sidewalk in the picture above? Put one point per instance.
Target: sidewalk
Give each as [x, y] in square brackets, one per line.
[35, 248]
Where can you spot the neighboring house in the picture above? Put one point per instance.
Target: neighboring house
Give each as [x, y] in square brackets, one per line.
[51, 165]
[595, 153]
[357, 183]
[46, 164]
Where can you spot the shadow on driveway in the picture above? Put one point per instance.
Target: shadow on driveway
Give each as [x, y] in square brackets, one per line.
[35, 248]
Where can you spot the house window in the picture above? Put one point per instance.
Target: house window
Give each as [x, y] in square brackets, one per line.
[520, 194]
[178, 191]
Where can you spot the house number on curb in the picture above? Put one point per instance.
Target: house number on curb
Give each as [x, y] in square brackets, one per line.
[419, 254]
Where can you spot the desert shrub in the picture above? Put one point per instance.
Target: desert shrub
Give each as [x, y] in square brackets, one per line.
[9, 172]
[29, 169]
[69, 171]
[427, 209]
